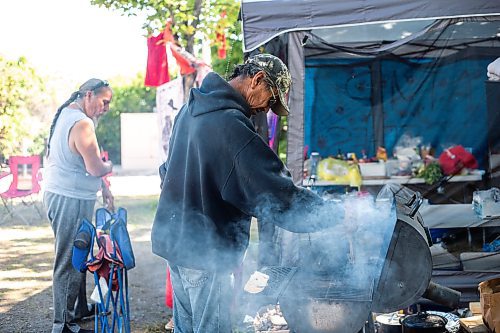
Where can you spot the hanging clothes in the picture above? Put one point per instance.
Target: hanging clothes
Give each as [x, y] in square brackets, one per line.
[186, 61]
[273, 123]
[157, 64]
[169, 292]
[221, 45]
[220, 37]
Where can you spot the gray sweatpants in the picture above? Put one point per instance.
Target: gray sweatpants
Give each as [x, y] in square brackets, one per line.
[69, 286]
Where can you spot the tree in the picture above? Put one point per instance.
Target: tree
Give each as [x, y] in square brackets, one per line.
[234, 55]
[192, 20]
[23, 124]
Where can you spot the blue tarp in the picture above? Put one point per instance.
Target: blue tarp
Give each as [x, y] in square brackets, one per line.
[444, 103]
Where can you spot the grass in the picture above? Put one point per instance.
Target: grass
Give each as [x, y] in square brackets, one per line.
[26, 256]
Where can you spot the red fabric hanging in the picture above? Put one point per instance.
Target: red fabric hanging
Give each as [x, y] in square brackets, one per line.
[169, 293]
[221, 45]
[157, 65]
[220, 39]
[184, 59]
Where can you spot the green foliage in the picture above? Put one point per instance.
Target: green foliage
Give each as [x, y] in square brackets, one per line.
[431, 173]
[189, 17]
[127, 98]
[192, 22]
[283, 142]
[22, 97]
[234, 54]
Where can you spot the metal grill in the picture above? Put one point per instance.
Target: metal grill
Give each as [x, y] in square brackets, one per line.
[279, 277]
[335, 290]
[318, 286]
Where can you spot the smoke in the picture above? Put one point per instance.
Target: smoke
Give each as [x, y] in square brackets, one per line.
[342, 246]
[352, 250]
[346, 237]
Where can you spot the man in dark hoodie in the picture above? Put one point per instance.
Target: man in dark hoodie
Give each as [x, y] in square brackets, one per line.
[220, 173]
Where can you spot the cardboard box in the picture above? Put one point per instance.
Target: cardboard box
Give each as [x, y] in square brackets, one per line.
[473, 324]
[372, 169]
[475, 308]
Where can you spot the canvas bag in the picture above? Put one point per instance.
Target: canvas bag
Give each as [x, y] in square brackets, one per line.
[490, 303]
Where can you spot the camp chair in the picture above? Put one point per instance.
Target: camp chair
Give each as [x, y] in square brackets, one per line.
[109, 267]
[25, 172]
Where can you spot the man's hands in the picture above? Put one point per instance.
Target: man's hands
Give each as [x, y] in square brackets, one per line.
[107, 198]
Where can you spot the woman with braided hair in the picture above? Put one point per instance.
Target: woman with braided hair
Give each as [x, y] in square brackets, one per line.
[72, 180]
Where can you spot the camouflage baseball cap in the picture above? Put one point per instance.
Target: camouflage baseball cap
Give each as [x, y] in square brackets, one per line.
[280, 78]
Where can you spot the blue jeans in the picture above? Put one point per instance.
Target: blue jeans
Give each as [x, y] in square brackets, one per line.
[202, 300]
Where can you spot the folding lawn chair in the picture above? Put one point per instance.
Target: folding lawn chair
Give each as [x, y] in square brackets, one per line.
[109, 267]
[26, 177]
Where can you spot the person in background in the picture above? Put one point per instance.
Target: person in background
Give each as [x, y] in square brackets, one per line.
[218, 174]
[72, 179]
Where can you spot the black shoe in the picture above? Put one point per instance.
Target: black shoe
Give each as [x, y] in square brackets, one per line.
[87, 315]
[83, 330]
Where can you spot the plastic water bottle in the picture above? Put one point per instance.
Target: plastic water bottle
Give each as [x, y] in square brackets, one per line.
[314, 164]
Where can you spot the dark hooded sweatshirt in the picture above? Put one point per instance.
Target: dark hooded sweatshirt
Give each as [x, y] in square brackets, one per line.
[220, 173]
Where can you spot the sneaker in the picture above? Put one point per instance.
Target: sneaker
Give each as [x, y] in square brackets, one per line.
[170, 325]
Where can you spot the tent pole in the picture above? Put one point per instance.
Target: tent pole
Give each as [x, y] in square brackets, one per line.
[295, 138]
[377, 105]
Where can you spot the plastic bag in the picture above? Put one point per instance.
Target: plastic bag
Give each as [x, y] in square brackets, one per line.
[339, 171]
[406, 151]
[407, 143]
[453, 160]
[486, 203]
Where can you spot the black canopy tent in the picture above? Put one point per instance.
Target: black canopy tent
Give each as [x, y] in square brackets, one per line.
[265, 19]
[316, 29]
[425, 45]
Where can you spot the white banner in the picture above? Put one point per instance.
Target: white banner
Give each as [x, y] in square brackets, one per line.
[169, 98]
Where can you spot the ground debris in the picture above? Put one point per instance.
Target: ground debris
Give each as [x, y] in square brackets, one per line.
[270, 319]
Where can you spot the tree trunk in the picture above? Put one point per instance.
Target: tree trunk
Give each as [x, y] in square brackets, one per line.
[188, 80]
[196, 14]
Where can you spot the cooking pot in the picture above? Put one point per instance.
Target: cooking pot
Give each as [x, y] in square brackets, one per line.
[424, 322]
[389, 323]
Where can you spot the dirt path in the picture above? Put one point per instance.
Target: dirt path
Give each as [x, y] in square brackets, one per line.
[26, 256]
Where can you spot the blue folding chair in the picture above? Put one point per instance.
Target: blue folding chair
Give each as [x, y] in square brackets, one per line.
[112, 261]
